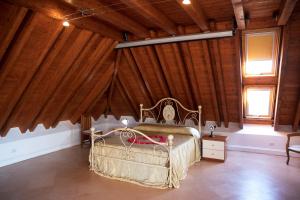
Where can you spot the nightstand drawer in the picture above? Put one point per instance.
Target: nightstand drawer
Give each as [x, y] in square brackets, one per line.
[214, 154]
[214, 145]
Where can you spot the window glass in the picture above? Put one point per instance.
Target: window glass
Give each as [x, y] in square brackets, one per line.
[259, 102]
[259, 54]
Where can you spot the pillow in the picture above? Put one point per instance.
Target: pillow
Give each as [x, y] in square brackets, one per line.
[169, 129]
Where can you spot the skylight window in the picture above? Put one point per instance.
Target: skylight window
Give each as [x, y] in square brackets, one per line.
[260, 54]
[259, 102]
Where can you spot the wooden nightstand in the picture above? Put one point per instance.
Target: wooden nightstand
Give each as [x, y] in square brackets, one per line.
[214, 148]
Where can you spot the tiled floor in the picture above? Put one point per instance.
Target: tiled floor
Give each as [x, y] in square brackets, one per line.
[65, 175]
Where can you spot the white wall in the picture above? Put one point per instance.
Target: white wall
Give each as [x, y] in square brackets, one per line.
[16, 147]
[253, 138]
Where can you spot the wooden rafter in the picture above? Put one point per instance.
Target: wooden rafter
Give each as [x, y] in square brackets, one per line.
[286, 12]
[239, 75]
[124, 97]
[103, 53]
[63, 9]
[18, 46]
[37, 79]
[196, 13]
[145, 89]
[127, 96]
[162, 61]
[297, 117]
[184, 76]
[94, 95]
[282, 74]
[191, 74]
[239, 13]
[31, 91]
[218, 75]
[105, 13]
[113, 81]
[68, 74]
[12, 30]
[144, 8]
[144, 79]
[212, 84]
[158, 71]
[26, 80]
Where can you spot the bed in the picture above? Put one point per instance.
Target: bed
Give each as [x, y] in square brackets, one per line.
[152, 155]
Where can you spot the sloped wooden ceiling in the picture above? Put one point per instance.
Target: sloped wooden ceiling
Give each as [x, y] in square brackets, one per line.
[49, 73]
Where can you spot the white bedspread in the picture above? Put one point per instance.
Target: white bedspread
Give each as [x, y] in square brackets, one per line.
[142, 164]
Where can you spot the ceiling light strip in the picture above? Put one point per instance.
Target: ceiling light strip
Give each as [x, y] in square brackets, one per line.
[182, 38]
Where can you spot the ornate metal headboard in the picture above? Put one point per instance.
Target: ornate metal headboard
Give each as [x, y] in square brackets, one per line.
[168, 109]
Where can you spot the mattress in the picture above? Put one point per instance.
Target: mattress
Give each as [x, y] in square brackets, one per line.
[146, 164]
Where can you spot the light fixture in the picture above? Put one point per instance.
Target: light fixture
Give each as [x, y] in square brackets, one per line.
[125, 122]
[186, 2]
[66, 23]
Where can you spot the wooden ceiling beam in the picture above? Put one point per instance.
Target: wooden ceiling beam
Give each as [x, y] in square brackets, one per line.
[127, 96]
[145, 88]
[144, 8]
[10, 63]
[18, 45]
[12, 30]
[113, 81]
[158, 71]
[238, 57]
[58, 10]
[191, 74]
[218, 75]
[286, 12]
[102, 52]
[196, 13]
[161, 58]
[212, 84]
[65, 77]
[94, 95]
[104, 13]
[239, 13]
[37, 79]
[144, 79]
[284, 50]
[185, 81]
[297, 117]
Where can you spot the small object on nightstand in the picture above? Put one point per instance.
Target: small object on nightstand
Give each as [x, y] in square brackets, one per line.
[214, 148]
[212, 128]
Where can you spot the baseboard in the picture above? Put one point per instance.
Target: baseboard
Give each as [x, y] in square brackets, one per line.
[20, 150]
[256, 150]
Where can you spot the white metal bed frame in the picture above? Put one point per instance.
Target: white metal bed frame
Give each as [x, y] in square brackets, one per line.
[125, 133]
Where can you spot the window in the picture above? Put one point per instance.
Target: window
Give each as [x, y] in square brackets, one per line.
[259, 101]
[260, 53]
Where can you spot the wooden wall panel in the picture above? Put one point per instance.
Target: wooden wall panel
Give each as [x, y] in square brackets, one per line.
[11, 18]
[150, 71]
[24, 60]
[82, 68]
[200, 69]
[100, 107]
[97, 74]
[121, 104]
[58, 72]
[129, 77]
[291, 81]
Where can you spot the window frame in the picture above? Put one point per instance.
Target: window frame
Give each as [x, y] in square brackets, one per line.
[275, 51]
[272, 89]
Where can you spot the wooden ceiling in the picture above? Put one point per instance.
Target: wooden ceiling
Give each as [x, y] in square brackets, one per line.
[49, 73]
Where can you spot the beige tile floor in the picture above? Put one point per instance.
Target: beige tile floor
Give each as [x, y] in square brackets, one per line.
[65, 175]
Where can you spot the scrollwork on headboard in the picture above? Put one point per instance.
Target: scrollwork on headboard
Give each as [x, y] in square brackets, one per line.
[169, 109]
